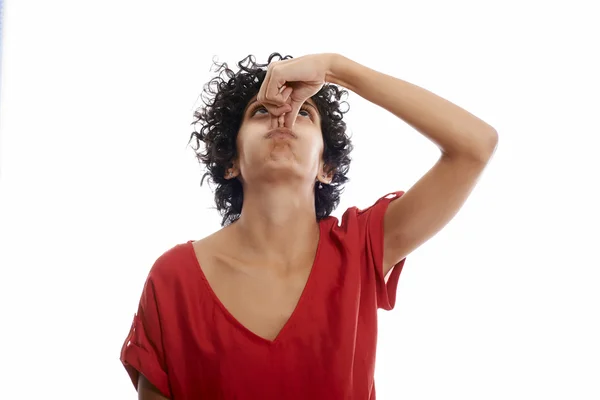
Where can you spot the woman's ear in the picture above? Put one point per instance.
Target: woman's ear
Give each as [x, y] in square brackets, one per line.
[325, 175]
[231, 172]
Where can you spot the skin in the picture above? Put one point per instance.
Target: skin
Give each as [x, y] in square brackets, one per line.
[272, 230]
[259, 265]
[466, 142]
[277, 232]
[466, 145]
[147, 391]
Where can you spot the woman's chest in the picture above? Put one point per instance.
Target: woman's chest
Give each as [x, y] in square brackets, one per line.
[307, 330]
[260, 302]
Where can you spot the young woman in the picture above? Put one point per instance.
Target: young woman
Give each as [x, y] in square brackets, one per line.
[281, 302]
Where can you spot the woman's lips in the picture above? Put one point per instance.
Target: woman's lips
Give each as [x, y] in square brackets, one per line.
[280, 133]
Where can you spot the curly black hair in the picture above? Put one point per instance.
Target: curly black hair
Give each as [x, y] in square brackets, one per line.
[225, 97]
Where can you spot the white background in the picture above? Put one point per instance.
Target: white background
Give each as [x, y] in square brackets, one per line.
[97, 180]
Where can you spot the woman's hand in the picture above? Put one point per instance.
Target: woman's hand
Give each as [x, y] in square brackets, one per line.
[289, 83]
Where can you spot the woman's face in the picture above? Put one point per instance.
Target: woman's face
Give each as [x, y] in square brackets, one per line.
[265, 154]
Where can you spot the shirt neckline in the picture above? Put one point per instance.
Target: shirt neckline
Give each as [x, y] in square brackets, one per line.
[297, 309]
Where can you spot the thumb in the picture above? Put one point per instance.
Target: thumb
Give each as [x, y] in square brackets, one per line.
[290, 117]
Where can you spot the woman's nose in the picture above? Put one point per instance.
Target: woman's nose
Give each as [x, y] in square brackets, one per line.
[277, 114]
[277, 121]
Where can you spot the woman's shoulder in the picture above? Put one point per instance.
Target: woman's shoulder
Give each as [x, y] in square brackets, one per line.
[182, 259]
[174, 265]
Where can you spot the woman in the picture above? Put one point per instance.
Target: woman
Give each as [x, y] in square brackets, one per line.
[281, 303]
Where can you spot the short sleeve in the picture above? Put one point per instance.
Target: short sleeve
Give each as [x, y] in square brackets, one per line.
[143, 351]
[370, 223]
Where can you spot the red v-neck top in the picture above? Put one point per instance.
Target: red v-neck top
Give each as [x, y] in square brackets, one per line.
[186, 343]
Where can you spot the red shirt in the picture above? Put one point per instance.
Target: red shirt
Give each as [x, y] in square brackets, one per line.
[189, 346]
